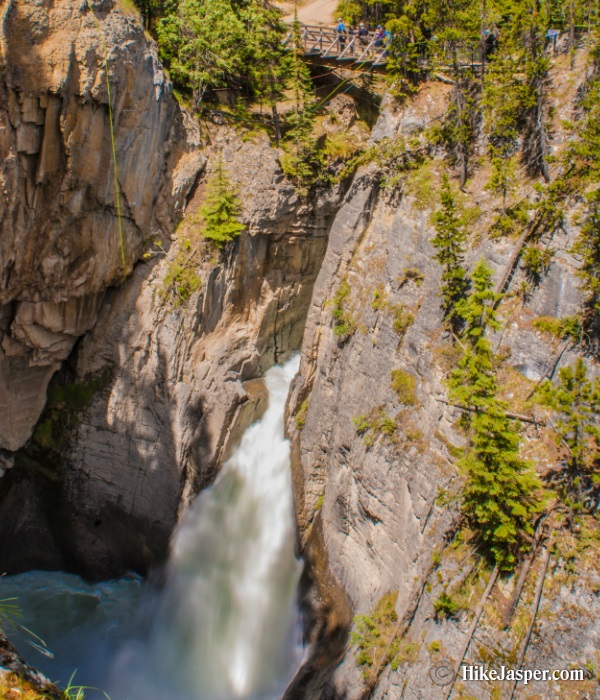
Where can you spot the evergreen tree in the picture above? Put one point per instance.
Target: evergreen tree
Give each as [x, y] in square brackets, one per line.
[450, 243]
[588, 247]
[402, 65]
[459, 130]
[585, 155]
[201, 44]
[300, 140]
[504, 178]
[221, 209]
[500, 494]
[266, 56]
[577, 398]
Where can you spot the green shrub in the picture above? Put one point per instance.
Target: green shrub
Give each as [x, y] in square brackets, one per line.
[181, 280]
[536, 262]
[344, 325]
[411, 274]
[379, 300]
[301, 415]
[373, 633]
[221, 209]
[566, 327]
[362, 424]
[404, 384]
[402, 320]
[445, 606]
[376, 423]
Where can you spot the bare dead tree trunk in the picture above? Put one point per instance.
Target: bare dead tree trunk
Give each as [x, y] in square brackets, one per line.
[536, 605]
[472, 628]
[523, 574]
[572, 33]
[276, 124]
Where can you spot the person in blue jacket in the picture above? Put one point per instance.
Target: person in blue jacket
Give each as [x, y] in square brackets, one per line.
[341, 31]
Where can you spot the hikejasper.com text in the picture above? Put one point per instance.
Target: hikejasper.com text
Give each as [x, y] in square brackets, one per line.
[523, 675]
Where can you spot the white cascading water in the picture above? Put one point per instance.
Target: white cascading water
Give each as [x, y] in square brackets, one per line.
[225, 625]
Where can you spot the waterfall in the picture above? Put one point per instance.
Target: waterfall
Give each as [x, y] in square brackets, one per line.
[225, 625]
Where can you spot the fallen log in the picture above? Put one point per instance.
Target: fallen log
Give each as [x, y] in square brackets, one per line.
[514, 416]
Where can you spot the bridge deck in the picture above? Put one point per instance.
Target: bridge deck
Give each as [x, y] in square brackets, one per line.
[326, 43]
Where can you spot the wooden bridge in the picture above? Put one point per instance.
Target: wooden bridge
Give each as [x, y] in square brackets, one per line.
[327, 45]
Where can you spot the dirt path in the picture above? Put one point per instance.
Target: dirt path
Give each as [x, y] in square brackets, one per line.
[312, 12]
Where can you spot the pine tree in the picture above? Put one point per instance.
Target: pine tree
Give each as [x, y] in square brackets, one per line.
[266, 56]
[202, 43]
[503, 179]
[300, 84]
[221, 209]
[461, 123]
[299, 140]
[402, 65]
[577, 398]
[500, 494]
[450, 241]
[585, 156]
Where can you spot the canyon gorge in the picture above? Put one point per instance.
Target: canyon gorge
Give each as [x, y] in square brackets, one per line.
[121, 399]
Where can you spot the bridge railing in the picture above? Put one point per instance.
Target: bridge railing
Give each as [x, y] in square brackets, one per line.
[328, 43]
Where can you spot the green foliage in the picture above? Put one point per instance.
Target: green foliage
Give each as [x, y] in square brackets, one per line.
[512, 221]
[200, 43]
[402, 320]
[379, 300]
[301, 158]
[460, 125]
[536, 262]
[376, 423]
[300, 417]
[77, 396]
[588, 247]
[515, 98]
[350, 11]
[421, 183]
[445, 606]
[403, 69]
[411, 274]
[404, 384]
[65, 403]
[220, 43]
[221, 209]
[181, 280]
[373, 634]
[566, 327]
[344, 325]
[450, 243]
[500, 496]
[503, 180]
[576, 398]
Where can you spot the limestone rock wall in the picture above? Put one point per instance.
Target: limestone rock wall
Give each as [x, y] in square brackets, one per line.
[370, 520]
[62, 243]
[175, 386]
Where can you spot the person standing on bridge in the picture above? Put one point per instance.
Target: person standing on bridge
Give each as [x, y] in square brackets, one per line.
[379, 35]
[341, 32]
[363, 34]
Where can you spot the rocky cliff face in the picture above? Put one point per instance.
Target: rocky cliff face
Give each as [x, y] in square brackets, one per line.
[373, 458]
[151, 394]
[64, 241]
[156, 393]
